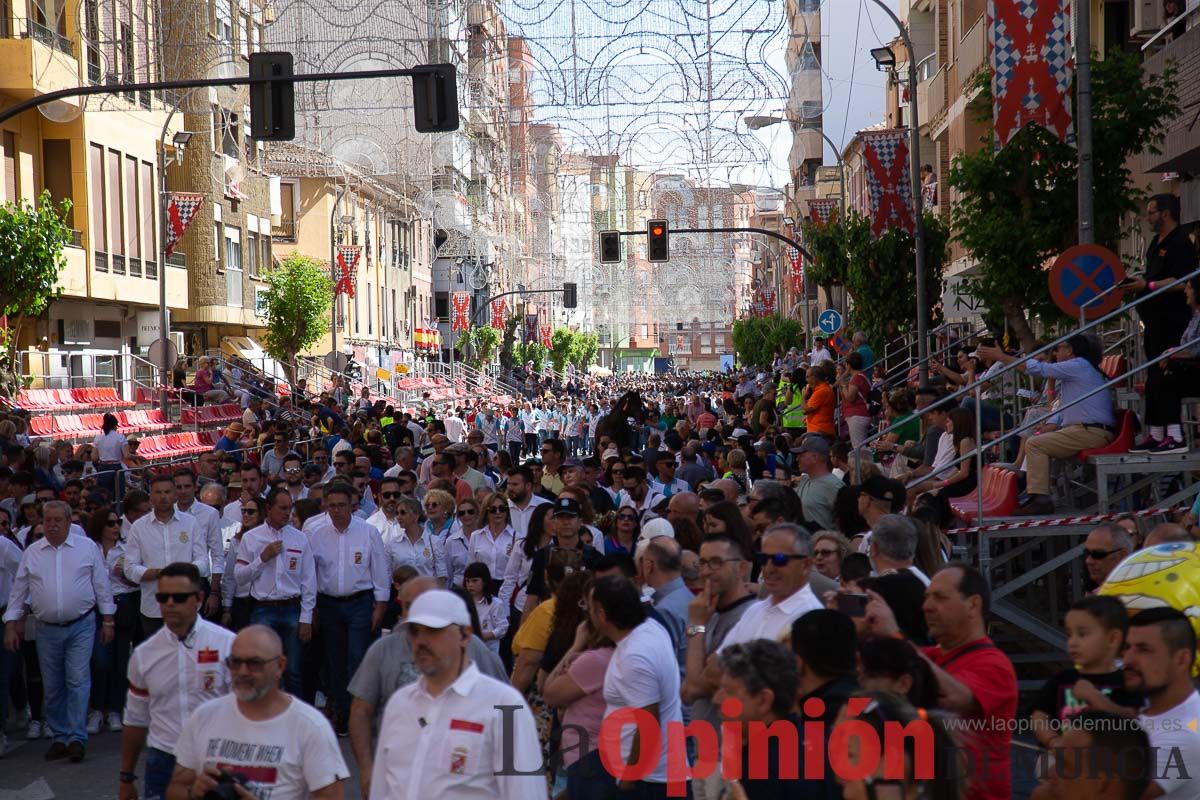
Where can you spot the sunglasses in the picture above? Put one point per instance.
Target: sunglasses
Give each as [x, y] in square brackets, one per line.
[1098, 555]
[432, 504]
[822, 553]
[498, 510]
[113, 522]
[389, 495]
[467, 512]
[778, 559]
[627, 517]
[174, 597]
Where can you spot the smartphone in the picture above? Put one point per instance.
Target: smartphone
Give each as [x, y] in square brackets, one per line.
[852, 604]
[771, 464]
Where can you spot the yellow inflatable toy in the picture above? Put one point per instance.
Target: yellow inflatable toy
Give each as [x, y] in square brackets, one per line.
[1163, 575]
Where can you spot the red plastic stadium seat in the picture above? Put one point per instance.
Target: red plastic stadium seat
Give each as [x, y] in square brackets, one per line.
[999, 496]
[1126, 422]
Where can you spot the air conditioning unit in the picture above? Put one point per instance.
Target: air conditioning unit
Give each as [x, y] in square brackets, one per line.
[1146, 17]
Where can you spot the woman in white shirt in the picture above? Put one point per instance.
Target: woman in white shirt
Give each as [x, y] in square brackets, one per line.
[492, 543]
[110, 662]
[110, 453]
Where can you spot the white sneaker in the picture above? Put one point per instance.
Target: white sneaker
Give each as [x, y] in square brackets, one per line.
[114, 721]
[94, 721]
[34, 729]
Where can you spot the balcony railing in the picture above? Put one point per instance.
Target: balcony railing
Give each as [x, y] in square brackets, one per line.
[972, 52]
[49, 37]
[151, 270]
[76, 239]
[118, 264]
[284, 231]
[177, 260]
[101, 261]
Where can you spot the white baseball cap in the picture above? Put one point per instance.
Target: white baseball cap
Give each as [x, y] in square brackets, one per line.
[437, 608]
[656, 527]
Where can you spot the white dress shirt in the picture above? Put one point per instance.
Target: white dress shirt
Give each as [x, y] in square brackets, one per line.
[230, 588]
[290, 574]
[10, 559]
[170, 677]
[455, 744]
[493, 551]
[208, 526]
[389, 529]
[425, 555]
[116, 577]
[153, 545]
[766, 619]
[457, 553]
[62, 583]
[519, 517]
[350, 561]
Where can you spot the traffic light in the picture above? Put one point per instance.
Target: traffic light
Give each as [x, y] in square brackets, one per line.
[435, 99]
[569, 298]
[272, 105]
[657, 241]
[610, 247]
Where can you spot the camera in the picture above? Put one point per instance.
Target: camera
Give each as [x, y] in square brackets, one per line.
[224, 790]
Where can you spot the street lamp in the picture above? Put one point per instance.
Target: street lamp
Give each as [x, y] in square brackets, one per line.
[757, 123]
[885, 59]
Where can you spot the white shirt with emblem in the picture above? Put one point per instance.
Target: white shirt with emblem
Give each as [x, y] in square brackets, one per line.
[453, 745]
[287, 757]
[208, 525]
[493, 550]
[290, 574]
[426, 555]
[169, 678]
[153, 545]
[350, 561]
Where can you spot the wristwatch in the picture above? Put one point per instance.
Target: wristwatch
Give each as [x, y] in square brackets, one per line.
[128, 777]
[692, 630]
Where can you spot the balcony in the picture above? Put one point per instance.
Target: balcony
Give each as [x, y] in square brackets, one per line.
[35, 60]
[48, 37]
[931, 96]
[285, 231]
[1180, 150]
[972, 53]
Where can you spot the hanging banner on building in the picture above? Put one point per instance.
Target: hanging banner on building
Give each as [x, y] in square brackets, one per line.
[546, 333]
[462, 312]
[889, 186]
[796, 272]
[181, 210]
[823, 210]
[1032, 66]
[347, 268]
[498, 309]
[531, 328]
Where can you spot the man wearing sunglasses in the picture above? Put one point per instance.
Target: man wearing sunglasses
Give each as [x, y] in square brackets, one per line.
[785, 560]
[1106, 546]
[170, 675]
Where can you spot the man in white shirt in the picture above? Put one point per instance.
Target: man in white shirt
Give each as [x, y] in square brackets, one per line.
[455, 427]
[666, 484]
[208, 525]
[1160, 648]
[279, 746]
[170, 675]
[786, 559]
[276, 561]
[63, 579]
[642, 674]
[353, 579]
[455, 732]
[252, 486]
[819, 353]
[162, 537]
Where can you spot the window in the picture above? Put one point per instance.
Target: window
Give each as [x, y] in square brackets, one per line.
[116, 236]
[229, 133]
[370, 302]
[287, 218]
[233, 266]
[395, 321]
[223, 25]
[264, 254]
[149, 228]
[92, 22]
[357, 321]
[125, 52]
[97, 214]
[133, 242]
[56, 172]
[252, 253]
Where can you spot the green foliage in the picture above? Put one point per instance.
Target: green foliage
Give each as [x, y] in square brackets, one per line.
[756, 340]
[1018, 207]
[560, 348]
[478, 344]
[31, 258]
[880, 274]
[299, 300]
[533, 351]
[508, 340]
[584, 349]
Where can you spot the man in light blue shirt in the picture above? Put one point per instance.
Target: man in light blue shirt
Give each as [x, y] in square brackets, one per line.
[1087, 424]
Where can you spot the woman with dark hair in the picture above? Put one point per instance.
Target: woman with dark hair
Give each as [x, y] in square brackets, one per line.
[626, 529]
[853, 389]
[845, 512]
[960, 479]
[236, 599]
[887, 664]
[491, 610]
[110, 662]
[110, 449]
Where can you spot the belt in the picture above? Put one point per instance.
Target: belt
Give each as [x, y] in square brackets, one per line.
[1110, 428]
[69, 622]
[348, 597]
[287, 601]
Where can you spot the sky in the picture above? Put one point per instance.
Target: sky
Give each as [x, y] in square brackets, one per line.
[852, 87]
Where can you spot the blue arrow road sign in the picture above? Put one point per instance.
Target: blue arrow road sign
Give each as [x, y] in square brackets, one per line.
[830, 321]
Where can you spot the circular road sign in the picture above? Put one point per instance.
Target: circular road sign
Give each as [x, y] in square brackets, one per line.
[830, 321]
[1083, 273]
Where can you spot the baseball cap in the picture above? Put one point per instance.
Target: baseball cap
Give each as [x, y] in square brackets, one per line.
[611, 452]
[567, 507]
[437, 608]
[880, 488]
[813, 444]
[572, 463]
[656, 527]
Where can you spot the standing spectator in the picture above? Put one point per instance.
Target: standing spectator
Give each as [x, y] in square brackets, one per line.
[478, 723]
[1101, 756]
[863, 349]
[110, 455]
[493, 542]
[170, 675]
[110, 661]
[279, 745]
[63, 579]
[829, 548]
[272, 460]
[1171, 381]
[10, 560]
[818, 487]
[208, 527]
[785, 560]
[235, 597]
[492, 611]
[408, 542]
[659, 567]
[854, 390]
[641, 675]
[1106, 546]
[352, 574]
[1159, 654]
[276, 561]
[161, 537]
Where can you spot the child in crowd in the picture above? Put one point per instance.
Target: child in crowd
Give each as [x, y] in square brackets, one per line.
[1095, 628]
[493, 612]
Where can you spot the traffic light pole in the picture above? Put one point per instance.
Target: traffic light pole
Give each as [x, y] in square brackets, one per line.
[773, 234]
[488, 303]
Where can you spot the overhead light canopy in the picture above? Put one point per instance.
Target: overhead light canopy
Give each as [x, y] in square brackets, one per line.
[885, 59]
[755, 123]
[789, 221]
[181, 138]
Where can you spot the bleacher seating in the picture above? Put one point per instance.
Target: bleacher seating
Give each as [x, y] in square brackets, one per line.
[75, 426]
[212, 415]
[1126, 428]
[999, 496]
[177, 445]
[62, 400]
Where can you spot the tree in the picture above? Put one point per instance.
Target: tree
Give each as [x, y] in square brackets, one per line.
[299, 299]
[1018, 207]
[561, 342]
[584, 350]
[879, 274]
[532, 351]
[31, 258]
[480, 343]
[756, 340]
[508, 340]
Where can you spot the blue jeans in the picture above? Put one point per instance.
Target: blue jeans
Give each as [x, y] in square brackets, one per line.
[159, 766]
[63, 655]
[346, 626]
[587, 780]
[284, 620]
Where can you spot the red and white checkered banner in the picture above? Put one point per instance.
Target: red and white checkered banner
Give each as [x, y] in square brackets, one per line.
[1032, 66]
[889, 185]
[823, 210]
[462, 311]
[498, 309]
[181, 210]
[531, 328]
[347, 268]
[546, 333]
[763, 304]
[796, 272]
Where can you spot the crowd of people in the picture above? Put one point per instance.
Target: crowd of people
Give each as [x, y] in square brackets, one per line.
[470, 595]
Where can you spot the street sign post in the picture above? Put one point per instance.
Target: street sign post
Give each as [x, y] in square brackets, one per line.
[1083, 278]
[829, 321]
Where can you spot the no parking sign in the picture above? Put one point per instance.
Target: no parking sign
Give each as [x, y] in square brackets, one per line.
[1083, 273]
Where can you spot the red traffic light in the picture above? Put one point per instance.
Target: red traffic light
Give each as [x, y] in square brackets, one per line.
[657, 230]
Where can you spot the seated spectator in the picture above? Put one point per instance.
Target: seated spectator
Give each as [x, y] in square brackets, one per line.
[829, 548]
